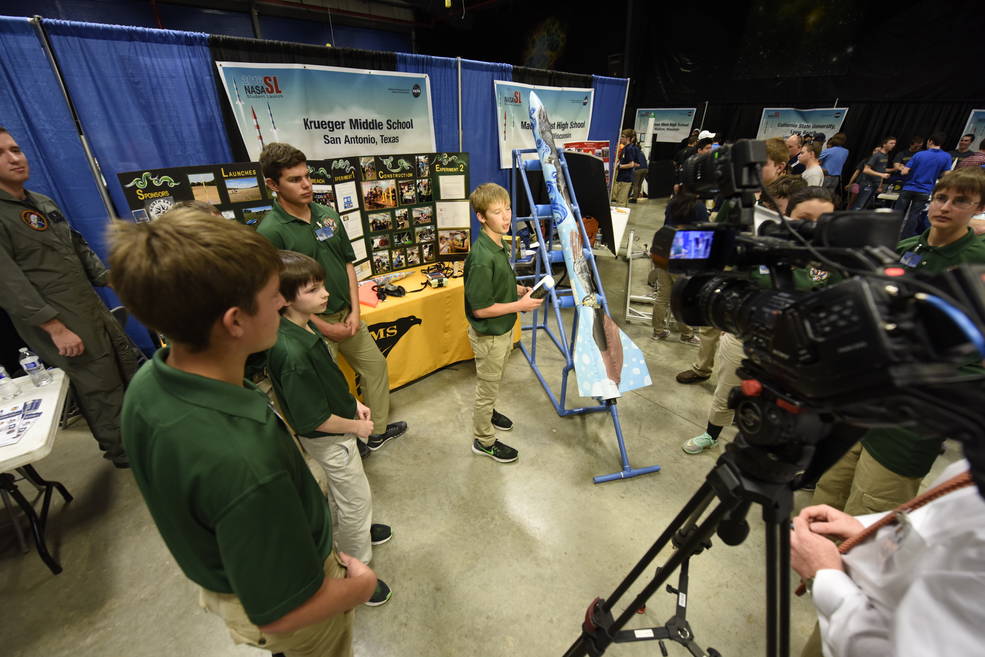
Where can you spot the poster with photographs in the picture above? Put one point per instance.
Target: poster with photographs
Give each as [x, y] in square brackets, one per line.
[406, 199]
[236, 190]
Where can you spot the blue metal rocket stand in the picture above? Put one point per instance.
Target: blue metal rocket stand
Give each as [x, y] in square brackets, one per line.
[557, 299]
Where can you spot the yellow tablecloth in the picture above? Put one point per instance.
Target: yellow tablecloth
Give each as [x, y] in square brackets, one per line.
[418, 333]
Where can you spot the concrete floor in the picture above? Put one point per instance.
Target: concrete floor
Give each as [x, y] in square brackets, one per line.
[487, 560]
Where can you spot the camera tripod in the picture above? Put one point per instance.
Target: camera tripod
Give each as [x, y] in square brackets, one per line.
[735, 492]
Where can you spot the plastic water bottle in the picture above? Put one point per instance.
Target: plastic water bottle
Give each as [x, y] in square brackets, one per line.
[34, 368]
[8, 387]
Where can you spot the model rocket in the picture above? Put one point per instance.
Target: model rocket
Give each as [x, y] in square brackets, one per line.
[270, 113]
[239, 104]
[256, 124]
[607, 363]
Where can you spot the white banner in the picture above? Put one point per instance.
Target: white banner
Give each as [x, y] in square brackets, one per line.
[785, 121]
[975, 126]
[669, 124]
[569, 110]
[329, 112]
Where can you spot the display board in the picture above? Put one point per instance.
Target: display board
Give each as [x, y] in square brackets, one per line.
[785, 121]
[329, 112]
[399, 211]
[667, 124]
[599, 149]
[570, 110]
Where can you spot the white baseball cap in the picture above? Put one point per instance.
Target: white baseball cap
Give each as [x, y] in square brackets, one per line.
[704, 134]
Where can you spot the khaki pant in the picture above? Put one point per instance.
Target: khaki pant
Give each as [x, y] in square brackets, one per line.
[365, 358]
[349, 495]
[661, 304]
[858, 484]
[331, 637]
[620, 193]
[491, 353]
[727, 361]
[638, 176]
[705, 364]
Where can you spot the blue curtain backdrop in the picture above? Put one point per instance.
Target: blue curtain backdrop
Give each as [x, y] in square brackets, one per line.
[443, 72]
[479, 136]
[146, 98]
[610, 95]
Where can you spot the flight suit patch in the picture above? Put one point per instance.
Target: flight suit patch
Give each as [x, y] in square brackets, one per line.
[34, 220]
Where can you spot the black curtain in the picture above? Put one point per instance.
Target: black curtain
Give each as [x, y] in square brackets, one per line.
[237, 49]
[546, 78]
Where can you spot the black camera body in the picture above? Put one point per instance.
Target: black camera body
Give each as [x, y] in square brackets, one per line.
[873, 349]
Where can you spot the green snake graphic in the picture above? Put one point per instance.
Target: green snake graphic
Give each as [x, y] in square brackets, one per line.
[402, 164]
[143, 181]
[446, 158]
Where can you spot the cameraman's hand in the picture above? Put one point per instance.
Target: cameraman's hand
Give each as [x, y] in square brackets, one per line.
[810, 552]
[527, 302]
[830, 522]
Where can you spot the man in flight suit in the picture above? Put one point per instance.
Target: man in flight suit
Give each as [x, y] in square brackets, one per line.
[46, 276]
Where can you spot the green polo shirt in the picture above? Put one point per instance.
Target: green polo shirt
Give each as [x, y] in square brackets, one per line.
[227, 488]
[904, 452]
[309, 384]
[489, 279]
[333, 254]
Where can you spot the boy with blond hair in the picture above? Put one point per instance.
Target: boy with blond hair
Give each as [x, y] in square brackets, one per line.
[492, 300]
[223, 479]
[315, 397]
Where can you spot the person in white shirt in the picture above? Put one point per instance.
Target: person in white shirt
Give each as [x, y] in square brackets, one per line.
[912, 588]
[813, 174]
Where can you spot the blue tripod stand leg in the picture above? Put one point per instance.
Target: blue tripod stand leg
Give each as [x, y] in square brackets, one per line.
[627, 471]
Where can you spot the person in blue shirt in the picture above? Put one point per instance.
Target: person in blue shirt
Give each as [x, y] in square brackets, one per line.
[834, 156]
[921, 174]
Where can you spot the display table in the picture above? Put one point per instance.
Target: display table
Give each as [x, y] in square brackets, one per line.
[418, 333]
[35, 444]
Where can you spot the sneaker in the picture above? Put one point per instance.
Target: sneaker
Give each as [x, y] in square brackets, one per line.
[498, 452]
[692, 340]
[501, 422]
[690, 376]
[380, 534]
[380, 596]
[393, 430]
[660, 335]
[699, 444]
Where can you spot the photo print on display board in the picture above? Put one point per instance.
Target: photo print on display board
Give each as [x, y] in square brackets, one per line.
[413, 257]
[424, 194]
[408, 192]
[427, 252]
[252, 216]
[424, 234]
[423, 166]
[367, 168]
[403, 238]
[398, 259]
[379, 194]
[243, 190]
[423, 216]
[363, 270]
[453, 242]
[381, 242]
[379, 222]
[381, 262]
[324, 194]
[204, 187]
[401, 219]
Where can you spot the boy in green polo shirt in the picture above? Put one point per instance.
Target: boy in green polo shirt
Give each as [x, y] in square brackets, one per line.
[885, 468]
[492, 300]
[223, 479]
[296, 223]
[315, 397]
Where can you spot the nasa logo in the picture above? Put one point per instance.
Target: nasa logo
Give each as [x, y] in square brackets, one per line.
[415, 90]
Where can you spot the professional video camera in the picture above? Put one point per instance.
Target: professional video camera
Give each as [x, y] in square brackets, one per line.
[880, 346]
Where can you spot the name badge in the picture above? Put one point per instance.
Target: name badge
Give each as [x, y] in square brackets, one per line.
[323, 233]
[911, 259]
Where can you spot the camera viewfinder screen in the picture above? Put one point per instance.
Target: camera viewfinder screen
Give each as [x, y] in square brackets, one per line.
[692, 245]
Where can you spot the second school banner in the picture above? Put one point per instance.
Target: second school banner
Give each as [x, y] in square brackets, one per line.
[669, 124]
[569, 109]
[329, 112]
[785, 121]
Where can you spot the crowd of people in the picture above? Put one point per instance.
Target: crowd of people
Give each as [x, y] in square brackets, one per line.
[865, 602]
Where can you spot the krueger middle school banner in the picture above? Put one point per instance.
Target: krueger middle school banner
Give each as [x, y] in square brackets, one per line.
[975, 126]
[784, 121]
[570, 111]
[669, 124]
[329, 112]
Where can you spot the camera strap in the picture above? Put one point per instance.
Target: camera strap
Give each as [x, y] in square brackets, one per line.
[957, 482]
